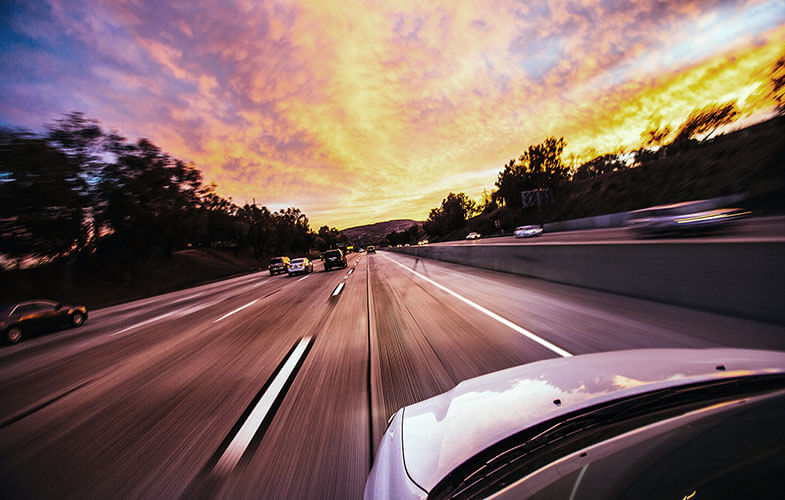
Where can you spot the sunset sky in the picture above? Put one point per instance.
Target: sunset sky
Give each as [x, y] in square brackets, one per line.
[363, 111]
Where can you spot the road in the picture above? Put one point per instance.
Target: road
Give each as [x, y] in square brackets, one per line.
[279, 387]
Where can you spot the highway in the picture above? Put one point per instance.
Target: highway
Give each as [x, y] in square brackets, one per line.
[753, 229]
[279, 387]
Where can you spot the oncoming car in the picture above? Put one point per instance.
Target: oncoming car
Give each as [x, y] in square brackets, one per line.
[300, 266]
[473, 236]
[528, 231]
[693, 217]
[649, 423]
[278, 265]
[38, 316]
[371, 249]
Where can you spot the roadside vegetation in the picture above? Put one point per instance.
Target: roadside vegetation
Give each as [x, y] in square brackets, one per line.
[694, 161]
[79, 201]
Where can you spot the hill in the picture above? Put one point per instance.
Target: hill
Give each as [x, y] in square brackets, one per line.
[370, 233]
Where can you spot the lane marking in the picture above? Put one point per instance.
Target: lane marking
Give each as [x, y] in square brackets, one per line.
[259, 284]
[303, 278]
[338, 289]
[351, 271]
[236, 310]
[526, 333]
[147, 322]
[186, 298]
[243, 438]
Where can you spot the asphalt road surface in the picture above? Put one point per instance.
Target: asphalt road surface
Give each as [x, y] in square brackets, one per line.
[279, 387]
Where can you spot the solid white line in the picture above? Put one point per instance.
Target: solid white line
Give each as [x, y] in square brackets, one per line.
[147, 322]
[338, 289]
[246, 433]
[558, 350]
[236, 310]
[259, 284]
[303, 278]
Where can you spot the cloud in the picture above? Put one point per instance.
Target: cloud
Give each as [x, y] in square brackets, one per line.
[368, 110]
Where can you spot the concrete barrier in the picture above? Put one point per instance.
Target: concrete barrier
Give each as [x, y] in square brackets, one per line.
[737, 278]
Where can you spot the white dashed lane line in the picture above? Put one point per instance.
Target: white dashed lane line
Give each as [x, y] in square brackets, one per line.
[236, 310]
[245, 434]
[338, 289]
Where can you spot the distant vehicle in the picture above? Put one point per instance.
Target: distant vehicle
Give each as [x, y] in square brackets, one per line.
[38, 316]
[528, 231]
[371, 249]
[278, 265]
[682, 218]
[422, 243]
[648, 423]
[333, 259]
[473, 236]
[300, 266]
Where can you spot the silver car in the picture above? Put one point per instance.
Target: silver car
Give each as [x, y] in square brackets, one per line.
[527, 231]
[651, 423]
[300, 266]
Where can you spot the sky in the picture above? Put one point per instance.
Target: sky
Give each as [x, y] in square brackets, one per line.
[364, 111]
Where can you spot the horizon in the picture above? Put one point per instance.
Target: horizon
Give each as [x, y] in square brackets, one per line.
[376, 114]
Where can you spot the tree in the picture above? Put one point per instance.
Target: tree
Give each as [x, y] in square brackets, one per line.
[451, 215]
[149, 200]
[706, 121]
[539, 167]
[777, 76]
[600, 165]
[42, 199]
[656, 135]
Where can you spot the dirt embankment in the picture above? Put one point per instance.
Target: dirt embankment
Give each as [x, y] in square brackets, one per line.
[101, 284]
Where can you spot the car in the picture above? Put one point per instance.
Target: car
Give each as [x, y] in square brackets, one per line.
[647, 423]
[473, 236]
[422, 243]
[300, 266]
[371, 249]
[22, 319]
[683, 218]
[278, 265]
[333, 259]
[527, 231]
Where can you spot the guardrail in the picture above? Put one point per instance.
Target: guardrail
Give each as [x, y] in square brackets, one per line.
[737, 278]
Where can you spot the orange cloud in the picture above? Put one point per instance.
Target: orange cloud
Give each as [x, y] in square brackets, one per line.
[362, 111]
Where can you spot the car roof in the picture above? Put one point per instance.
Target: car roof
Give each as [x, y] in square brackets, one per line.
[442, 432]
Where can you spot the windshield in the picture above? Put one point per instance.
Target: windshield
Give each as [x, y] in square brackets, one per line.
[276, 260]
[297, 261]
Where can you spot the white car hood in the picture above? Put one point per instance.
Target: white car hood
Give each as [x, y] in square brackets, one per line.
[442, 432]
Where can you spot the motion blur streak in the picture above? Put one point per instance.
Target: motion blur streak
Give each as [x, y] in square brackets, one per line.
[558, 350]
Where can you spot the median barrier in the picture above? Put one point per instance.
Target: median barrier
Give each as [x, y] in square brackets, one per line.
[737, 278]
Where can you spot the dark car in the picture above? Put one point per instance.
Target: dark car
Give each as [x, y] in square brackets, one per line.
[38, 316]
[371, 249]
[333, 258]
[278, 265]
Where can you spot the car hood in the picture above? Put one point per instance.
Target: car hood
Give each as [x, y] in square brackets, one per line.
[442, 432]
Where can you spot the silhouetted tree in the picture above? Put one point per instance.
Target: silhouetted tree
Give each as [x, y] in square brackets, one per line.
[601, 165]
[777, 76]
[451, 215]
[42, 199]
[706, 121]
[539, 167]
